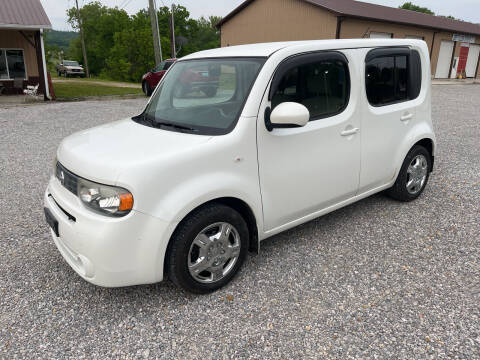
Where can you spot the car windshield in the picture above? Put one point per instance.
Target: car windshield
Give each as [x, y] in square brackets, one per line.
[202, 96]
[71, 63]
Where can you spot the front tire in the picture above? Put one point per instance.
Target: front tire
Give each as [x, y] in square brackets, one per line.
[207, 249]
[413, 176]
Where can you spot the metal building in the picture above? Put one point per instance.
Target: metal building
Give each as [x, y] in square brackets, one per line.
[454, 45]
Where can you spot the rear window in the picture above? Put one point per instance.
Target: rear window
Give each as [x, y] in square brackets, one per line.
[392, 78]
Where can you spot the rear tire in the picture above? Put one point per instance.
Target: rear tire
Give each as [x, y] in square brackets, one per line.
[207, 249]
[413, 176]
[147, 90]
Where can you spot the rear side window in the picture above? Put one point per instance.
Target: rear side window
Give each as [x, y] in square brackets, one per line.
[392, 76]
[322, 86]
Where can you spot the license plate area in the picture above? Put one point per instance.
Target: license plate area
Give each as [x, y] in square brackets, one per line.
[51, 221]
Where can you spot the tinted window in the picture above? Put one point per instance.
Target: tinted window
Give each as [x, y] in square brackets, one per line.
[167, 65]
[323, 87]
[159, 67]
[12, 64]
[16, 64]
[3, 65]
[387, 79]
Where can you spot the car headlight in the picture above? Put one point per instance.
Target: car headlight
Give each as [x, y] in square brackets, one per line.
[105, 199]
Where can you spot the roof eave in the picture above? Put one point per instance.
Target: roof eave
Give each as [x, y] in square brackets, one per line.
[25, 27]
[439, 29]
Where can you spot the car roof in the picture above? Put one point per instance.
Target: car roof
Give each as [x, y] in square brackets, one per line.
[267, 49]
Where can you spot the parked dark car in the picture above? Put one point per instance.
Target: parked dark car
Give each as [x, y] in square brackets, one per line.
[153, 77]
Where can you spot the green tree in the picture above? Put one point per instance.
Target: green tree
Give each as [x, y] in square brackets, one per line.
[412, 7]
[120, 46]
[100, 24]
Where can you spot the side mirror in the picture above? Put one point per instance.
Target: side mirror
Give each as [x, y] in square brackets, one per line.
[287, 114]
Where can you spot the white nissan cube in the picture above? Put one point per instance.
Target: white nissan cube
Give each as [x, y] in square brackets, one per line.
[235, 145]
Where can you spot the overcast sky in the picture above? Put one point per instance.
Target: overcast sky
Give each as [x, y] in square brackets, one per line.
[468, 10]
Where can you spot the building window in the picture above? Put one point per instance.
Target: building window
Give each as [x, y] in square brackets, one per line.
[323, 87]
[380, 35]
[12, 64]
[414, 37]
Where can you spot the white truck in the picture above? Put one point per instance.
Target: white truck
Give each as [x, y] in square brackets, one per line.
[70, 68]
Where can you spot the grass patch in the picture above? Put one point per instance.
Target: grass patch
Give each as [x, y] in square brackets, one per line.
[76, 90]
[92, 78]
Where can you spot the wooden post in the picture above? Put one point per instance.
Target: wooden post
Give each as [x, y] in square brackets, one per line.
[154, 24]
[41, 81]
[172, 33]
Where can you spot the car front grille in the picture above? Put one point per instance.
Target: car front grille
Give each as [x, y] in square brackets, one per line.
[66, 178]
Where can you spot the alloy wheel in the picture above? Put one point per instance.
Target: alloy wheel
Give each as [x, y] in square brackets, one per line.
[214, 252]
[417, 174]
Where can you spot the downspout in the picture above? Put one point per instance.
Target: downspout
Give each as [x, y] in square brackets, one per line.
[451, 62]
[433, 44]
[44, 64]
[339, 26]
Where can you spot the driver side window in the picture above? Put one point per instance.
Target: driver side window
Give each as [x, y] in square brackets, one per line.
[322, 86]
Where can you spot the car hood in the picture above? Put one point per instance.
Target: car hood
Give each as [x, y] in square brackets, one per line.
[102, 153]
[73, 67]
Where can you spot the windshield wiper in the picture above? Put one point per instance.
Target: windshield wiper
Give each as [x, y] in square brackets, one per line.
[148, 120]
[176, 126]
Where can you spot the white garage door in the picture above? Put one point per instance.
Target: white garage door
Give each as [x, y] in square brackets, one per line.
[444, 60]
[380, 35]
[472, 60]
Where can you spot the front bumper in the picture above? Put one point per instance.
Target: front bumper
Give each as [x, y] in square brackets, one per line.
[80, 73]
[107, 251]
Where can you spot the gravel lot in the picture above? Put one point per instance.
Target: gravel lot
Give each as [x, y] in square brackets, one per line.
[377, 279]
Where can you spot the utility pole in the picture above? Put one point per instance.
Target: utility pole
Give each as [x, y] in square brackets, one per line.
[172, 33]
[84, 50]
[158, 32]
[156, 40]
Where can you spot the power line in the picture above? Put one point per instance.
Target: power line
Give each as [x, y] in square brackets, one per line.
[125, 5]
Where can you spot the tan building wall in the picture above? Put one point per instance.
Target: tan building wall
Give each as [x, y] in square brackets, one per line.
[285, 20]
[355, 28]
[14, 39]
[278, 20]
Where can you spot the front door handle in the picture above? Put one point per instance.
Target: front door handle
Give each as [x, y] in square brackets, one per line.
[406, 117]
[350, 132]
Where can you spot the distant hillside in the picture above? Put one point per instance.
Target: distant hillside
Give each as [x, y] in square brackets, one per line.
[60, 38]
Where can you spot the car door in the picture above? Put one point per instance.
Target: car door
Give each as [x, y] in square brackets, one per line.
[392, 82]
[306, 169]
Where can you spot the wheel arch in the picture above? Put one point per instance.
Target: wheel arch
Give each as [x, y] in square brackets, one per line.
[428, 144]
[235, 203]
[421, 134]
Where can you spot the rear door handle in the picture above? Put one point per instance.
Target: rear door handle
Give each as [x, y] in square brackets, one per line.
[406, 117]
[350, 132]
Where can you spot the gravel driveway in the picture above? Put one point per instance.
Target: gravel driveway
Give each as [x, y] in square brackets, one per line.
[377, 279]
